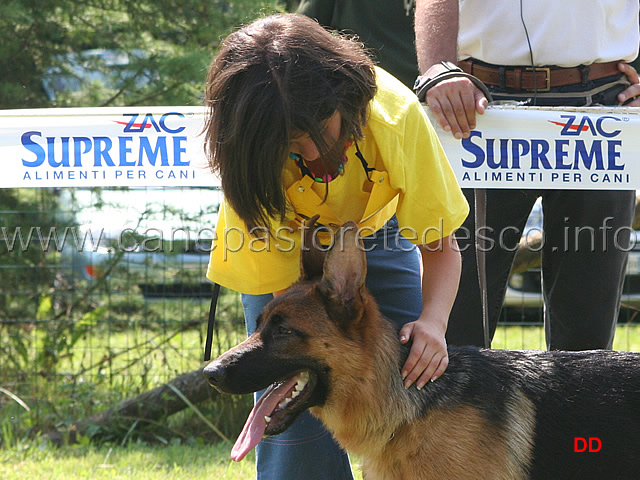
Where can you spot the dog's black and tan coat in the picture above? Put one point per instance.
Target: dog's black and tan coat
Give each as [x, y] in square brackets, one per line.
[494, 414]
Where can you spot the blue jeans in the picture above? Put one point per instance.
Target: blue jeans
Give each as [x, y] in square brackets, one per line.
[307, 450]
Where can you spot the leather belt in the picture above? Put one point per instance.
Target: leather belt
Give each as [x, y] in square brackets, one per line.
[545, 78]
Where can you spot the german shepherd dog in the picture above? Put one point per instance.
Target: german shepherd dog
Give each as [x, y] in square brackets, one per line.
[494, 414]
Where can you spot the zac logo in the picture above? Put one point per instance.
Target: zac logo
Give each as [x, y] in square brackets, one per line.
[574, 126]
[148, 121]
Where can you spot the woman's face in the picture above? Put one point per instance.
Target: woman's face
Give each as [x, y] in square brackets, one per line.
[303, 145]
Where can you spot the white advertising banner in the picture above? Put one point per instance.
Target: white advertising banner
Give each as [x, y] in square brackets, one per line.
[124, 147]
[511, 147]
[544, 147]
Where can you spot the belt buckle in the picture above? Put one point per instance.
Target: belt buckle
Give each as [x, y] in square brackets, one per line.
[547, 71]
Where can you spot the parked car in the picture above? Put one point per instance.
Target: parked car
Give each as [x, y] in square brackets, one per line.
[523, 298]
[157, 239]
[104, 68]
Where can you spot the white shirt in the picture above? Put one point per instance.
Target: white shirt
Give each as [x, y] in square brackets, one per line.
[565, 33]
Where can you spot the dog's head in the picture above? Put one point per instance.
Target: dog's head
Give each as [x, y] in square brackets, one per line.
[299, 336]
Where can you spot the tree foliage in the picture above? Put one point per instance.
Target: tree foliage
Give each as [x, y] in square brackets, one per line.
[170, 44]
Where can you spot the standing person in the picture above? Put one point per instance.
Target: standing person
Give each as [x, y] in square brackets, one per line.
[385, 27]
[300, 123]
[579, 49]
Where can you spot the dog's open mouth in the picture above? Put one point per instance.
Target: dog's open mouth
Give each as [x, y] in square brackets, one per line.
[274, 412]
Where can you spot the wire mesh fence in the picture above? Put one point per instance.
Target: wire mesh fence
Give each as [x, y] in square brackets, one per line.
[103, 295]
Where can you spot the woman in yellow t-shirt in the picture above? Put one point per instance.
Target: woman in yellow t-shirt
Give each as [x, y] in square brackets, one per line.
[301, 123]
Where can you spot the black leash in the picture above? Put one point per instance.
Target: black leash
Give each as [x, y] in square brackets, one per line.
[212, 321]
[480, 201]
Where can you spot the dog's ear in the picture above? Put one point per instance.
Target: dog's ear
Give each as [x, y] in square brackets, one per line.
[311, 258]
[345, 270]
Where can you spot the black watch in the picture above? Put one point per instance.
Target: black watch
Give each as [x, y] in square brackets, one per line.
[443, 71]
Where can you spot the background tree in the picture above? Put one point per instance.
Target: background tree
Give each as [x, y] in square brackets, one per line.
[169, 45]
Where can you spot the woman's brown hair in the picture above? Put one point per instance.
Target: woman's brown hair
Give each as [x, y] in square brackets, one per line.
[276, 77]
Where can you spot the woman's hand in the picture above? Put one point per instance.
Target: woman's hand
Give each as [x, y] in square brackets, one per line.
[428, 358]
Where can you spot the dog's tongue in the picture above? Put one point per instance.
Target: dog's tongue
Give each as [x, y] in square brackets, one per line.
[254, 428]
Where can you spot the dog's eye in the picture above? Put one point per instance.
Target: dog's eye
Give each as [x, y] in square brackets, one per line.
[282, 330]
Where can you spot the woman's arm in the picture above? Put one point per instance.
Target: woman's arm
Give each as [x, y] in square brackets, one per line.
[428, 358]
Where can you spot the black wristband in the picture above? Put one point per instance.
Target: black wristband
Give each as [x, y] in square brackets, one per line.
[445, 70]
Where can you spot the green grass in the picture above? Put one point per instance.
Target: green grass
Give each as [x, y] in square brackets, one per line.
[174, 462]
[531, 337]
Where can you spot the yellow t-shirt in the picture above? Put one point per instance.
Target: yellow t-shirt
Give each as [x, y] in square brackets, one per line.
[413, 180]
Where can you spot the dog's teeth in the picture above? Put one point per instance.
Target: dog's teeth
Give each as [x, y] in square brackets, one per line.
[302, 381]
[267, 419]
[295, 393]
[284, 402]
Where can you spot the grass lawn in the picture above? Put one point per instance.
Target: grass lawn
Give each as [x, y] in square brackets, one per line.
[174, 462]
[532, 337]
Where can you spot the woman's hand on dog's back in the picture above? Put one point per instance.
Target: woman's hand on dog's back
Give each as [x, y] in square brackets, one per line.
[428, 358]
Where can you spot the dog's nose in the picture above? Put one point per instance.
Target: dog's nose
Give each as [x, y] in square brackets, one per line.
[214, 373]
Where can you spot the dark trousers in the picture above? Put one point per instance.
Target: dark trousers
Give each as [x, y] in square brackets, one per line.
[581, 282]
[583, 259]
